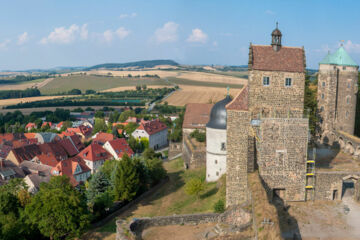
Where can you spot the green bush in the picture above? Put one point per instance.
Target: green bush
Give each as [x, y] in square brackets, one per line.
[199, 136]
[219, 206]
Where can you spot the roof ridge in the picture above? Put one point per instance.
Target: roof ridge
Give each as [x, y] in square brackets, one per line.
[262, 45]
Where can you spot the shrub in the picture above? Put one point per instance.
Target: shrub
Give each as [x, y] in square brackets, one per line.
[199, 136]
[219, 206]
[194, 186]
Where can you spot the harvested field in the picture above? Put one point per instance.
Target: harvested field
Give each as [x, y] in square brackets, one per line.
[98, 83]
[27, 111]
[198, 94]
[30, 84]
[6, 102]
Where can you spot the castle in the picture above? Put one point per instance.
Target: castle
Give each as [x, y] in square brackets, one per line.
[264, 127]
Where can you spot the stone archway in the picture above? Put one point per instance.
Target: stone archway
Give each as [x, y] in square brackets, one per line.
[349, 185]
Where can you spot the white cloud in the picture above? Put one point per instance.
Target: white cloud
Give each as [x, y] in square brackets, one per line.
[108, 36]
[215, 43]
[167, 33]
[84, 32]
[269, 12]
[352, 47]
[122, 32]
[63, 35]
[125, 15]
[23, 38]
[4, 44]
[197, 35]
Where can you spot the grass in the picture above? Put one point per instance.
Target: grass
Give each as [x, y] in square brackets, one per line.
[98, 83]
[183, 81]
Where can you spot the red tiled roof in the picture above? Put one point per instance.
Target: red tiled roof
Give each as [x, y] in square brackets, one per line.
[287, 59]
[46, 123]
[120, 146]
[120, 131]
[47, 159]
[197, 115]
[55, 149]
[30, 135]
[240, 102]
[153, 127]
[26, 152]
[102, 137]
[94, 152]
[67, 167]
[8, 137]
[75, 139]
[84, 130]
[120, 123]
[30, 125]
[68, 147]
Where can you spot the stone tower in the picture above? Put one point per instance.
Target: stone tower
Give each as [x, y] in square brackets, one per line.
[337, 88]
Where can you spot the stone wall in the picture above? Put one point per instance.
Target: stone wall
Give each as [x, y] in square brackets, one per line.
[175, 148]
[238, 123]
[193, 153]
[251, 166]
[236, 217]
[276, 100]
[337, 88]
[282, 155]
[329, 185]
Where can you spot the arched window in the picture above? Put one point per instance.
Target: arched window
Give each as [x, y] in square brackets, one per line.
[348, 99]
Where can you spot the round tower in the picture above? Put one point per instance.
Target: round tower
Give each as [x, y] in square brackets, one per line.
[216, 141]
[337, 90]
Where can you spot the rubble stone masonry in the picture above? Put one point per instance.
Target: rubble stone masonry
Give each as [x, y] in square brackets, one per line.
[238, 123]
[282, 155]
[276, 99]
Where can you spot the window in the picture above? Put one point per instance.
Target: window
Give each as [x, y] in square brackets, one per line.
[266, 81]
[322, 96]
[347, 114]
[348, 99]
[223, 146]
[217, 173]
[215, 161]
[349, 85]
[321, 108]
[288, 82]
[323, 84]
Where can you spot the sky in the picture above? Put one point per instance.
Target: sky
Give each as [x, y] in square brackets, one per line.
[52, 33]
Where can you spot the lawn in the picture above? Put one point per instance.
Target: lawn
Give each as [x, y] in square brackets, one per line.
[98, 83]
[171, 198]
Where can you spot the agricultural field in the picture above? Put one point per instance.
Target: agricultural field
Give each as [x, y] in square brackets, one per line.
[98, 83]
[38, 83]
[6, 102]
[169, 199]
[199, 94]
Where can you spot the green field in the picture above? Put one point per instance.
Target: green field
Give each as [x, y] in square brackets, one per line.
[182, 81]
[98, 83]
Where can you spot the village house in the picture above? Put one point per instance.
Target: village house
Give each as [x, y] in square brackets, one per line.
[101, 137]
[30, 126]
[83, 131]
[118, 147]
[35, 174]
[9, 170]
[155, 131]
[46, 137]
[94, 156]
[75, 168]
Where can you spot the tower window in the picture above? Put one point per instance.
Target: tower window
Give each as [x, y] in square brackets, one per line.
[348, 99]
[217, 173]
[266, 81]
[321, 108]
[349, 85]
[322, 96]
[216, 161]
[347, 114]
[323, 84]
[223, 146]
[288, 82]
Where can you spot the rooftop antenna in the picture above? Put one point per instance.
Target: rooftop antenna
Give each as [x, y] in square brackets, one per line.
[228, 90]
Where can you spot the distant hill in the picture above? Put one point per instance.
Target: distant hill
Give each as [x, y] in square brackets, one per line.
[139, 64]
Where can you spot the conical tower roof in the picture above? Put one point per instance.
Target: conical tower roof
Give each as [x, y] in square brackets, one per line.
[340, 57]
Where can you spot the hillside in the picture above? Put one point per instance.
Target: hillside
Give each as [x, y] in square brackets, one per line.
[139, 64]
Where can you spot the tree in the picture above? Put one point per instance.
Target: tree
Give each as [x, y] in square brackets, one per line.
[138, 87]
[108, 169]
[144, 142]
[99, 125]
[98, 184]
[90, 91]
[58, 210]
[126, 180]
[155, 170]
[144, 86]
[99, 114]
[125, 115]
[176, 135]
[130, 128]
[219, 206]
[310, 105]
[10, 225]
[194, 186]
[67, 124]
[74, 92]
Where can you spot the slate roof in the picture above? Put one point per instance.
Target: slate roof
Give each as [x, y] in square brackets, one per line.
[240, 102]
[197, 115]
[287, 59]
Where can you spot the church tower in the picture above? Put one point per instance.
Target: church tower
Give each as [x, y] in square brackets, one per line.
[337, 88]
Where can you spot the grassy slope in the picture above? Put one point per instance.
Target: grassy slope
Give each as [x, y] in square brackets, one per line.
[62, 84]
[172, 199]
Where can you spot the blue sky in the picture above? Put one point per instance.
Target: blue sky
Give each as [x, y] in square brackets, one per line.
[49, 33]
